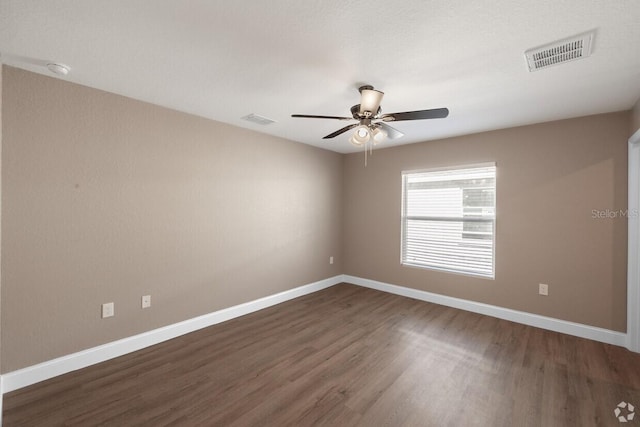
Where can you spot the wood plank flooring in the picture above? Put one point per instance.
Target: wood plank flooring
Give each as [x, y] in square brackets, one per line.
[346, 356]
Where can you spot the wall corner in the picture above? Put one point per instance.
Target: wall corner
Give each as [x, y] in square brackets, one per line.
[635, 118]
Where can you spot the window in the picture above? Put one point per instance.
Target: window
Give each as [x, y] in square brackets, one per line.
[448, 219]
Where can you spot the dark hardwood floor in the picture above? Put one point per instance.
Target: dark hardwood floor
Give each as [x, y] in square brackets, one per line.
[347, 356]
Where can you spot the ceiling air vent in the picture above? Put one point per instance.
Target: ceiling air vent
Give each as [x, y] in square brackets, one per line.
[566, 50]
[254, 118]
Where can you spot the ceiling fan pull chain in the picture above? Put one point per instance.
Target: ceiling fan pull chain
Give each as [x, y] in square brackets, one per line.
[365, 156]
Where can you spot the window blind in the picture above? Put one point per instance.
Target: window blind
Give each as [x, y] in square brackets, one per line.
[448, 219]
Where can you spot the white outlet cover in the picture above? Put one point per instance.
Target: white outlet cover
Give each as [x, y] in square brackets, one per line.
[108, 310]
[543, 289]
[146, 301]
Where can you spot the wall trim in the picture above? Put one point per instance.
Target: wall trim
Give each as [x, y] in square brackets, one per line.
[633, 249]
[43, 371]
[549, 323]
[1, 384]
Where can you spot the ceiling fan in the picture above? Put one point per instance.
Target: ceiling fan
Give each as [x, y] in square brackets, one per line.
[372, 126]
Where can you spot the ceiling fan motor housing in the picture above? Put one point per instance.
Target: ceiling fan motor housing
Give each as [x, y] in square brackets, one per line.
[355, 112]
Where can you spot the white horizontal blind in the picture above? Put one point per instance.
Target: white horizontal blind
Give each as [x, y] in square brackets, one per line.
[448, 219]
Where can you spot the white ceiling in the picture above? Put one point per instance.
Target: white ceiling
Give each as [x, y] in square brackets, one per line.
[225, 59]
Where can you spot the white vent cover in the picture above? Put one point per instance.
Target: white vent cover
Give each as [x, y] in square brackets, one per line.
[566, 50]
[254, 118]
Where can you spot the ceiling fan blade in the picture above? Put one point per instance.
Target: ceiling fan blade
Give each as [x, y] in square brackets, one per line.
[392, 133]
[436, 113]
[308, 116]
[341, 131]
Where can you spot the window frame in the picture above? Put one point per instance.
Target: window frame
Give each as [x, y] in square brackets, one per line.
[403, 220]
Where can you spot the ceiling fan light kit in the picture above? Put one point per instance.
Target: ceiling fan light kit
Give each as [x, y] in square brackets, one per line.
[371, 128]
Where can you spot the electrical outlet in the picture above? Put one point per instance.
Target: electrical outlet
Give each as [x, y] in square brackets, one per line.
[543, 289]
[108, 310]
[146, 301]
[330, 260]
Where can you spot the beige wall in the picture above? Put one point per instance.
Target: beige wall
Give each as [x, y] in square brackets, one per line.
[107, 199]
[549, 179]
[635, 118]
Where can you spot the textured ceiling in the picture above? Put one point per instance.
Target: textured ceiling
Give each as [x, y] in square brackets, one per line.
[225, 59]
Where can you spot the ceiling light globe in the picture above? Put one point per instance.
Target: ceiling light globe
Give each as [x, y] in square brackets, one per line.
[355, 142]
[370, 101]
[378, 135]
[360, 136]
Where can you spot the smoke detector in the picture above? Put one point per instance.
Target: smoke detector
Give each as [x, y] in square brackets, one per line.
[254, 118]
[59, 69]
[569, 49]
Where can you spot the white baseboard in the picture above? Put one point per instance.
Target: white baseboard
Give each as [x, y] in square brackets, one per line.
[49, 369]
[549, 323]
[62, 365]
